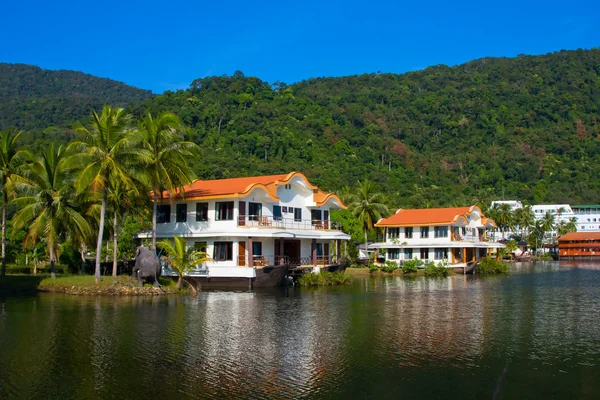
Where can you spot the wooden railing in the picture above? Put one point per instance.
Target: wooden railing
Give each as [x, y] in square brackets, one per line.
[286, 223]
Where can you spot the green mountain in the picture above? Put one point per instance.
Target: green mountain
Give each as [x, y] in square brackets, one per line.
[523, 127]
[35, 98]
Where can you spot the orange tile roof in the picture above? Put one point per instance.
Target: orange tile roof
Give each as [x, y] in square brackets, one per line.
[426, 216]
[239, 187]
[579, 236]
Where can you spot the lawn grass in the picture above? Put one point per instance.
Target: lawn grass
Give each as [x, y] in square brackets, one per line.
[109, 285]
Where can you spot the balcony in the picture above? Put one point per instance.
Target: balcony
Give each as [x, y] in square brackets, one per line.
[262, 221]
[270, 260]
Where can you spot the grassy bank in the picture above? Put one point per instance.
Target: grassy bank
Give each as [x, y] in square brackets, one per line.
[120, 285]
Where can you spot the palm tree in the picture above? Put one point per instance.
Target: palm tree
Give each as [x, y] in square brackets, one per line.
[504, 218]
[9, 159]
[524, 219]
[547, 223]
[47, 202]
[106, 150]
[182, 259]
[367, 205]
[566, 227]
[168, 167]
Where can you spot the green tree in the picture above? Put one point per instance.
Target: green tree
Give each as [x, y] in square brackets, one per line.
[566, 227]
[547, 224]
[524, 218]
[46, 201]
[10, 156]
[106, 150]
[367, 204]
[182, 259]
[168, 166]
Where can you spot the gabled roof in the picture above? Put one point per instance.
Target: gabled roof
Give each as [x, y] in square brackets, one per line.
[579, 236]
[240, 187]
[429, 216]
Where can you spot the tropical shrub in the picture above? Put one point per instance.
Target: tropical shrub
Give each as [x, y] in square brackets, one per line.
[373, 268]
[490, 265]
[389, 267]
[411, 266]
[439, 270]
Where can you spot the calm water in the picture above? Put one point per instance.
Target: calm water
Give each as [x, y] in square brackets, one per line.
[532, 334]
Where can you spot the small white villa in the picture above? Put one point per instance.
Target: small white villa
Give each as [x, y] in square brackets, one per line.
[457, 235]
[253, 222]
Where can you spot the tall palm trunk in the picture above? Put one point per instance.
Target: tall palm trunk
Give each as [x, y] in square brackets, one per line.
[154, 211]
[5, 198]
[100, 232]
[179, 281]
[83, 252]
[114, 273]
[52, 270]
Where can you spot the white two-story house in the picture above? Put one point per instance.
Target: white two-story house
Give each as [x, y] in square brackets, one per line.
[457, 235]
[253, 222]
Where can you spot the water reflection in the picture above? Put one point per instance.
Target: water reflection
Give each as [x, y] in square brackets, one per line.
[533, 333]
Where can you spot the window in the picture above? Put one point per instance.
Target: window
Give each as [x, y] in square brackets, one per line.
[440, 231]
[315, 215]
[424, 232]
[319, 249]
[201, 212]
[440, 254]
[224, 211]
[408, 254]
[424, 254]
[163, 213]
[223, 251]
[288, 186]
[297, 214]
[277, 213]
[257, 249]
[393, 254]
[181, 213]
[254, 211]
[393, 233]
[408, 232]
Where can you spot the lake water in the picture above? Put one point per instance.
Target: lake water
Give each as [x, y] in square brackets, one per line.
[534, 333]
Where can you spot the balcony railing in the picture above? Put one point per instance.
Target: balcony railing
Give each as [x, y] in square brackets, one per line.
[268, 260]
[286, 223]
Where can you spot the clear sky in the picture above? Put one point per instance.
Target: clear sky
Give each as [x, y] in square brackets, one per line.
[165, 45]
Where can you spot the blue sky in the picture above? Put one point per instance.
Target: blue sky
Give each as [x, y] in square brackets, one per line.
[165, 45]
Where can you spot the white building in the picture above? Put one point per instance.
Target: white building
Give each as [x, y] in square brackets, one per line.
[457, 235]
[253, 222]
[588, 218]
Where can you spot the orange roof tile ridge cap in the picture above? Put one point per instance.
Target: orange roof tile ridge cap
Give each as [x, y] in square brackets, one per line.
[397, 211]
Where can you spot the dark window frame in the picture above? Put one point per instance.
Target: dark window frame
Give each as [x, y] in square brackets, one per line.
[163, 214]
[201, 212]
[424, 232]
[224, 213]
[181, 212]
[223, 251]
[298, 217]
[408, 232]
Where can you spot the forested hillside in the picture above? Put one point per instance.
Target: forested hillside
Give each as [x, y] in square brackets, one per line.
[523, 128]
[34, 98]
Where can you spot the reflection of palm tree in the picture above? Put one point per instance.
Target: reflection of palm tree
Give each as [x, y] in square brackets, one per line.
[367, 205]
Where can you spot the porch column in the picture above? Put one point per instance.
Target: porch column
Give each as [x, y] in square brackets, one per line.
[314, 251]
[250, 255]
[281, 255]
[337, 249]
[464, 254]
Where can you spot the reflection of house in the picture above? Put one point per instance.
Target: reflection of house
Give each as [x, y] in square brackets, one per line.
[579, 245]
[250, 222]
[457, 235]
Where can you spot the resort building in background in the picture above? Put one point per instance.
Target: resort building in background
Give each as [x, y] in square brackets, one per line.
[253, 222]
[587, 216]
[579, 246]
[457, 235]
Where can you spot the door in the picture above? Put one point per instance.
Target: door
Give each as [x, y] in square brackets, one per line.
[242, 213]
[326, 219]
[291, 249]
[242, 255]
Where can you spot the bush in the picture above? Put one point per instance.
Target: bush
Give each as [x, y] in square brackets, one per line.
[411, 266]
[373, 268]
[323, 278]
[490, 265]
[389, 267]
[13, 269]
[439, 270]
